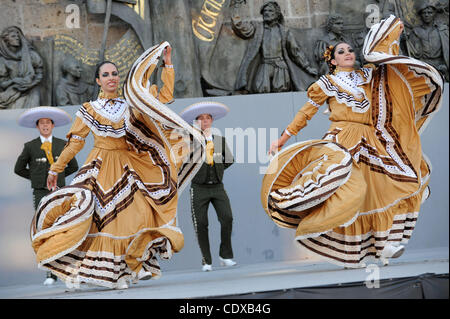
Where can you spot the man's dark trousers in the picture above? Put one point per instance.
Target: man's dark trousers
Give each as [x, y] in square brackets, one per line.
[206, 188]
[201, 197]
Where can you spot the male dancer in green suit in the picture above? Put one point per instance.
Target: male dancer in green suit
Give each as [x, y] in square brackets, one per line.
[38, 154]
[207, 186]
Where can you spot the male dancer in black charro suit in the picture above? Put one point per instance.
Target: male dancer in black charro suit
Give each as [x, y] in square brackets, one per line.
[207, 186]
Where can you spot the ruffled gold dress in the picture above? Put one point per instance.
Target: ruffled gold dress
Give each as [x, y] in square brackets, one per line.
[361, 185]
[120, 212]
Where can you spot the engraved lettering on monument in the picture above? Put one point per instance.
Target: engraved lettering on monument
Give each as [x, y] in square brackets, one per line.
[280, 51]
[123, 53]
[203, 26]
[21, 70]
[272, 52]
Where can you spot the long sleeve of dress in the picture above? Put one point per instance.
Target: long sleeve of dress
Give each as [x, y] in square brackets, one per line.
[316, 98]
[168, 79]
[413, 82]
[389, 45]
[165, 95]
[76, 140]
[72, 167]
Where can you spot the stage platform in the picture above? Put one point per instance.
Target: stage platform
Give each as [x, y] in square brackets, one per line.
[253, 280]
[257, 280]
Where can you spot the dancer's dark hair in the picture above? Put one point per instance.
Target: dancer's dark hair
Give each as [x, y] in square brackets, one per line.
[329, 55]
[99, 65]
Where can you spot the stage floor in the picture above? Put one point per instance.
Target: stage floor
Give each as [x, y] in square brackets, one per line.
[244, 279]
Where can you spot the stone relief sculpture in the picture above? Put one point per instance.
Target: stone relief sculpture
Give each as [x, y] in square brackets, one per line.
[272, 53]
[335, 34]
[443, 6]
[21, 70]
[429, 41]
[161, 20]
[69, 86]
[387, 7]
[71, 90]
[273, 57]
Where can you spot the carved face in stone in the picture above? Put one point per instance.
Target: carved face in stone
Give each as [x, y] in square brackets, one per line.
[344, 56]
[428, 14]
[73, 67]
[12, 38]
[270, 13]
[337, 26]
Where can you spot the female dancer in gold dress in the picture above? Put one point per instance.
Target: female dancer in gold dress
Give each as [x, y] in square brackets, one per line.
[119, 213]
[356, 193]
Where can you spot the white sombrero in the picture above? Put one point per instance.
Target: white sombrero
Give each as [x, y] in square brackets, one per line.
[31, 116]
[216, 109]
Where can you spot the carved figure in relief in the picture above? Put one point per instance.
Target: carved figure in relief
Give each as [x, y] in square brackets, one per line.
[429, 41]
[272, 53]
[71, 90]
[21, 70]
